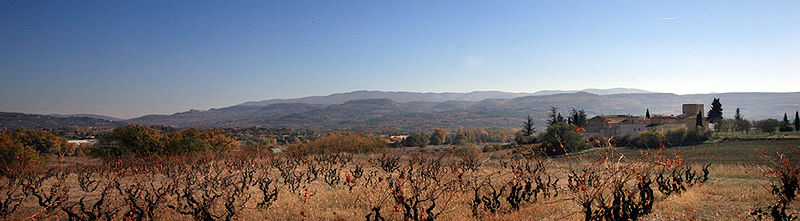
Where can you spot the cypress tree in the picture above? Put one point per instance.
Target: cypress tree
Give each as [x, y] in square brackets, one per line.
[796, 121]
[715, 114]
[737, 116]
[699, 122]
[785, 125]
[647, 114]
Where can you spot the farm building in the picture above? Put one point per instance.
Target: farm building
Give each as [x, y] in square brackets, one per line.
[614, 125]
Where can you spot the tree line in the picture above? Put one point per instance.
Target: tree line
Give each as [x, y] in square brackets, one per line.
[740, 124]
[461, 136]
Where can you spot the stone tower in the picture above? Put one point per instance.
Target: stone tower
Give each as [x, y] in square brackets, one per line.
[692, 108]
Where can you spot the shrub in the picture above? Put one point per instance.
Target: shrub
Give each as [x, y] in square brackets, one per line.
[743, 125]
[561, 138]
[471, 152]
[657, 138]
[521, 139]
[193, 140]
[438, 137]
[481, 135]
[145, 141]
[675, 137]
[650, 139]
[599, 141]
[130, 140]
[341, 143]
[768, 125]
[525, 140]
[785, 127]
[697, 135]
[416, 140]
[216, 140]
[185, 141]
[622, 141]
[16, 158]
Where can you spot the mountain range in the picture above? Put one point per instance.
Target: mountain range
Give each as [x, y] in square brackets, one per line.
[379, 111]
[403, 97]
[38, 121]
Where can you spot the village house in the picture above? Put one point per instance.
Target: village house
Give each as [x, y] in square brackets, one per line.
[615, 125]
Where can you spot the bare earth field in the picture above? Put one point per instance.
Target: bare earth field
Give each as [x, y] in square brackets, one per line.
[440, 182]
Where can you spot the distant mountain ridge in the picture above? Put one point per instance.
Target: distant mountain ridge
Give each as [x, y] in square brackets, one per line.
[37, 121]
[96, 116]
[403, 96]
[596, 91]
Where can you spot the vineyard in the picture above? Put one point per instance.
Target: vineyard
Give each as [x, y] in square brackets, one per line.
[447, 184]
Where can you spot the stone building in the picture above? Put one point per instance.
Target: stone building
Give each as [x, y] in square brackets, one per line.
[615, 125]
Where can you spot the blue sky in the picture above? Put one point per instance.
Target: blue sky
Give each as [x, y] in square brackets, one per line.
[130, 58]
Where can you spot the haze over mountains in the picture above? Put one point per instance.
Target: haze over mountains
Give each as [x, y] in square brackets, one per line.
[381, 111]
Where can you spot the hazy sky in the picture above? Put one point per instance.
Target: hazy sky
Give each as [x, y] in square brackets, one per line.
[130, 58]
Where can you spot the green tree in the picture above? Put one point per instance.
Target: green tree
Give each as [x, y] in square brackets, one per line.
[577, 117]
[527, 127]
[699, 119]
[438, 137]
[561, 138]
[785, 125]
[525, 136]
[647, 114]
[554, 116]
[715, 114]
